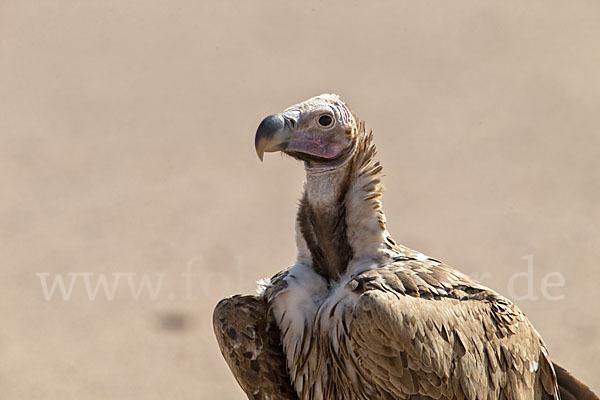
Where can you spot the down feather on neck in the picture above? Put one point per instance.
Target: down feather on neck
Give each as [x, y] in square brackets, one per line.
[340, 220]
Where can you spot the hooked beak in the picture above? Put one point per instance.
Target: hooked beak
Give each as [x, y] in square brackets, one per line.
[273, 134]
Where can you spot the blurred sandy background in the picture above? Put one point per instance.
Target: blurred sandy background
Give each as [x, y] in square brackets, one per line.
[126, 145]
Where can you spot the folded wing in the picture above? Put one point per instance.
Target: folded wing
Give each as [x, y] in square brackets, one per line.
[249, 341]
[422, 330]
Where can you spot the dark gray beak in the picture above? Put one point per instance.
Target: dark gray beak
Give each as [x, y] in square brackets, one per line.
[272, 134]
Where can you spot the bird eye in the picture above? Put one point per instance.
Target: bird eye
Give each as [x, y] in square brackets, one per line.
[325, 120]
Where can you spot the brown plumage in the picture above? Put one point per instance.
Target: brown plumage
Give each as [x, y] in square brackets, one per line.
[249, 341]
[362, 317]
[570, 387]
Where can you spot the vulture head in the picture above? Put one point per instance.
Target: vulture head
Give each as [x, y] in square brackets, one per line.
[319, 131]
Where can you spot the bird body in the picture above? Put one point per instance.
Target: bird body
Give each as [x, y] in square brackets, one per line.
[359, 316]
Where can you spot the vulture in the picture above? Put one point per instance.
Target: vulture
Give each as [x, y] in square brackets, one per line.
[360, 316]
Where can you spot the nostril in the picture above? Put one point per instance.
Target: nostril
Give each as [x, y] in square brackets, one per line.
[291, 121]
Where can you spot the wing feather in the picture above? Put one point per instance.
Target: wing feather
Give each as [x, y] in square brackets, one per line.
[570, 387]
[412, 340]
[249, 341]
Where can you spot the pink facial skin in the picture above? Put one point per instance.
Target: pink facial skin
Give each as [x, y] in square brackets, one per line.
[305, 142]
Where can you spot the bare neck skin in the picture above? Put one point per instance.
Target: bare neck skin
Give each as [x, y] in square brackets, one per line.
[340, 217]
